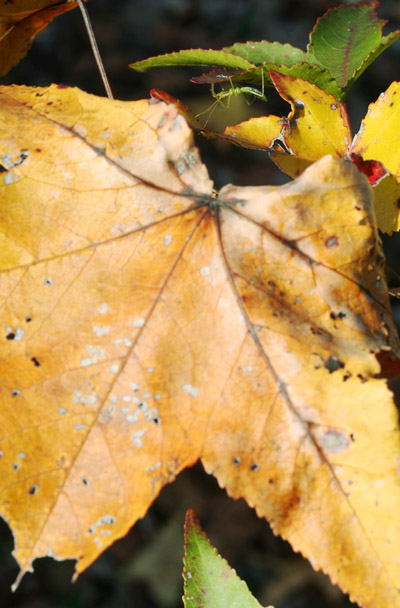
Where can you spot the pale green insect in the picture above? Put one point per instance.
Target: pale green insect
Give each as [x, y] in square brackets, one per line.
[233, 91]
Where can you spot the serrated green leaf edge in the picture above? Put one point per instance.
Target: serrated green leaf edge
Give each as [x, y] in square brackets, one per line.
[272, 52]
[386, 42]
[209, 581]
[192, 57]
[249, 72]
[347, 51]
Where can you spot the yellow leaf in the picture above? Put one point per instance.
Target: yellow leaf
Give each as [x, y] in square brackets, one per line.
[317, 124]
[148, 323]
[378, 138]
[258, 133]
[290, 164]
[387, 204]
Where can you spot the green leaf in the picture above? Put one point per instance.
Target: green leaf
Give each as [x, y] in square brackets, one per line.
[386, 42]
[192, 57]
[347, 39]
[209, 580]
[271, 52]
[246, 71]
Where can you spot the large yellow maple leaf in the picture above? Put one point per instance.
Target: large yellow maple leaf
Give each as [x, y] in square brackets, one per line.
[149, 322]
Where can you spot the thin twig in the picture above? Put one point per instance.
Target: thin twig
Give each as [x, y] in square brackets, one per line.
[95, 49]
[394, 291]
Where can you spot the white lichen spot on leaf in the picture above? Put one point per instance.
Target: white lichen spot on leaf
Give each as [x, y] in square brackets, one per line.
[95, 355]
[79, 397]
[193, 391]
[137, 438]
[335, 441]
[125, 341]
[101, 330]
[106, 520]
[103, 308]
[80, 427]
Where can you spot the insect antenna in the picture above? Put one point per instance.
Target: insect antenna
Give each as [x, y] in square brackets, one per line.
[211, 109]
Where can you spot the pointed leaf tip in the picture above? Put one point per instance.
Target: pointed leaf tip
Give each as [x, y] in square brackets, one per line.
[209, 581]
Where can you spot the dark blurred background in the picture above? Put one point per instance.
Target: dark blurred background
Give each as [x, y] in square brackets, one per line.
[143, 570]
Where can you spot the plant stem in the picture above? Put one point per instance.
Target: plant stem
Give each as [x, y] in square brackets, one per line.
[95, 48]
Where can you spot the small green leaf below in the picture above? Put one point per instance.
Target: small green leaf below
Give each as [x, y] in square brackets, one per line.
[347, 39]
[209, 581]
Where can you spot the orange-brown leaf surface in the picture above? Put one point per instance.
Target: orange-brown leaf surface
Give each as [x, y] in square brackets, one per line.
[148, 322]
[20, 22]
